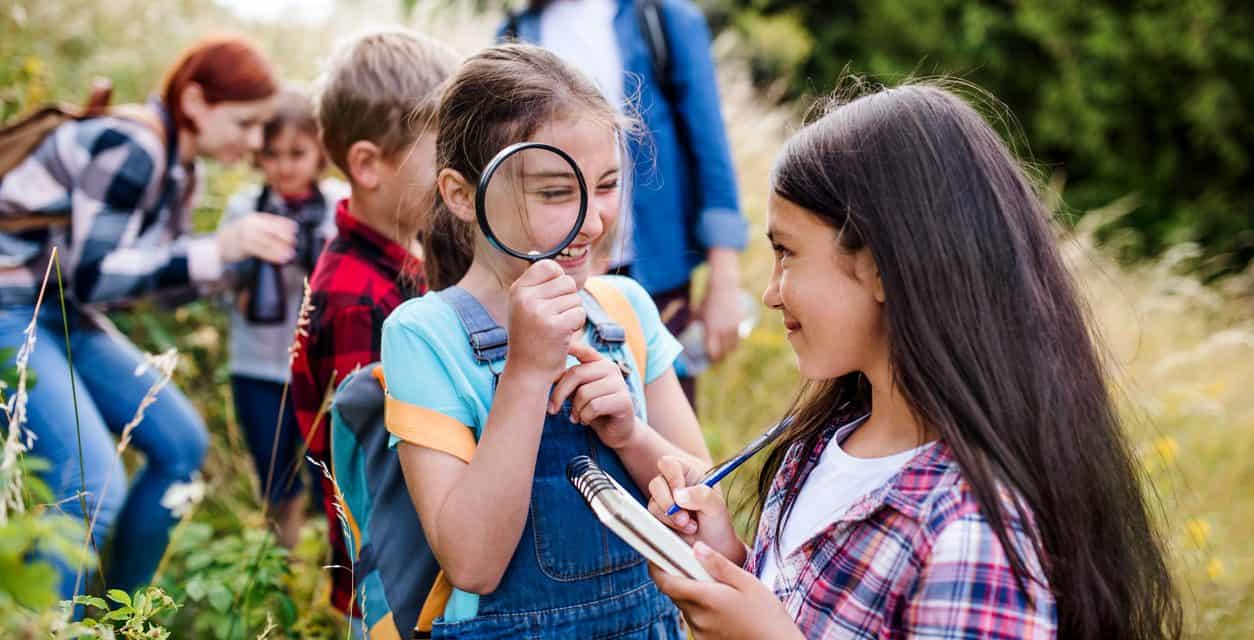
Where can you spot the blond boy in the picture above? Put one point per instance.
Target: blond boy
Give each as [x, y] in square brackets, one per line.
[376, 105]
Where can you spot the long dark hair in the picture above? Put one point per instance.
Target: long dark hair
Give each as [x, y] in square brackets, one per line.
[499, 96]
[989, 345]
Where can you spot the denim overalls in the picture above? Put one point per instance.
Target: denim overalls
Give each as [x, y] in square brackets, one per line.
[570, 576]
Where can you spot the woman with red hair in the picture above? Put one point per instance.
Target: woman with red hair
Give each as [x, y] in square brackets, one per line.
[125, 185]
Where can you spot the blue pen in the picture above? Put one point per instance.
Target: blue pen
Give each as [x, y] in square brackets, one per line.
[718, 473]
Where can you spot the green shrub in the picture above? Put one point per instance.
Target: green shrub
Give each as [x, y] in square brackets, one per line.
[1145, 98]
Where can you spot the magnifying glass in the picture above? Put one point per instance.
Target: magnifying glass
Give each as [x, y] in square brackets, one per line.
[531, 201]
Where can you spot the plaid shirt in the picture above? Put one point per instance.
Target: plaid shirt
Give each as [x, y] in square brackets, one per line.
[355, 285]
[129, 215]
[914, 558]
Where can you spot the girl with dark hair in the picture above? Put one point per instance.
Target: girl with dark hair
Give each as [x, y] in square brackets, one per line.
[955, 466]
[126, 186]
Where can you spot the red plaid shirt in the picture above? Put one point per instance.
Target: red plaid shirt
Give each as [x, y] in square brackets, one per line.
[914, 558]
[355, 285]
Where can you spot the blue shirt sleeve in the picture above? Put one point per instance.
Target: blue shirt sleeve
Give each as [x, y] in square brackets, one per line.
[413, 367]
[719, 221]
[661, 346]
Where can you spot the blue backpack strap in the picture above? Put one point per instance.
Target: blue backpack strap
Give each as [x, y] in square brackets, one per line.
[488, 339]
[607, 331]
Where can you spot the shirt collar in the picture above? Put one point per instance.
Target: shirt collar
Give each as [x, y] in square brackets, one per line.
[908, 491]
[390, 255]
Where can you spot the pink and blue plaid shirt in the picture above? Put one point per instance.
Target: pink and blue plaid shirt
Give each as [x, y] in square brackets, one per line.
[912, 559]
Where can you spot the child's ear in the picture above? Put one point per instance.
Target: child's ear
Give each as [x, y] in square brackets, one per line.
[364, 160]
[457, 193]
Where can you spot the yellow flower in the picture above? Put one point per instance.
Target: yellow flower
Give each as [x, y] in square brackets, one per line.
[1199, 531]
[32, 66]
[1166, 448]
[1216, 389]
[1214, 568]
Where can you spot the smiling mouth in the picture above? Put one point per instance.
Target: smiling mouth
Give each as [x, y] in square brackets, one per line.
[573, 253]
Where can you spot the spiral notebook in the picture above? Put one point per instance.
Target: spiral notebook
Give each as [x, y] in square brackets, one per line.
[621, 513]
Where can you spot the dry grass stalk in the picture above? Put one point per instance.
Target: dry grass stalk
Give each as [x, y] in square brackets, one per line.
[19, 439]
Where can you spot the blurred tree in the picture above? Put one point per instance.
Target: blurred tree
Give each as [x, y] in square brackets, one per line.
[1141, 97]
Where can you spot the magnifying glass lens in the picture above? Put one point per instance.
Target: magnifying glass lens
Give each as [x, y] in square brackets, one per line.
[533, 202]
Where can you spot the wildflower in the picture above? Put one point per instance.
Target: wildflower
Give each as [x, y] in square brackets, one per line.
[1166, 447]
[182, 497]
[1199, 531]
[1214, 568]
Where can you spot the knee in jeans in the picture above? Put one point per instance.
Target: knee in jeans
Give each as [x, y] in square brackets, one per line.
[186, 452]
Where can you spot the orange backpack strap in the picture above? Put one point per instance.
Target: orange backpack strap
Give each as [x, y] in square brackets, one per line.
[619, 308]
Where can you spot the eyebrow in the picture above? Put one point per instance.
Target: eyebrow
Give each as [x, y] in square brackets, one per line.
[548, 174]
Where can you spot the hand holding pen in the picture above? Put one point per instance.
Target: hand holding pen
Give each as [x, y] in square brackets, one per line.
[713, 476]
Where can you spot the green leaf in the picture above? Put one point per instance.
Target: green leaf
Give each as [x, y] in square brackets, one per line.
[91, 601]
[195, 588]
[119, 596]
[121, 613]
[32, 585]
[219, 597]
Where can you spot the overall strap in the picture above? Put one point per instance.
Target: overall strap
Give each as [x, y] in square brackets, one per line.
[609, 332]
[488, 339]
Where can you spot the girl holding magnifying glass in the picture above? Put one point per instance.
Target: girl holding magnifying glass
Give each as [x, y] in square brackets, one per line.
[486, 417]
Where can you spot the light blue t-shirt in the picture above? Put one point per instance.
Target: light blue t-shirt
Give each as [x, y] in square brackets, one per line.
[428, 362]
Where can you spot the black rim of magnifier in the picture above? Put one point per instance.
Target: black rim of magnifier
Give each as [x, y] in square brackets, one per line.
[481, 209]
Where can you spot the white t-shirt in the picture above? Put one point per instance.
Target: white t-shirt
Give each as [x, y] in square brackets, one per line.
[836, 483]
[581, 32]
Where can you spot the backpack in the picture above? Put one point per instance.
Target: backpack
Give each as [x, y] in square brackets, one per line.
[397, 580]
[18, 140]
[652, 26]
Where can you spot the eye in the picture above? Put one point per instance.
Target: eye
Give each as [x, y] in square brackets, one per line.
[780, 250]
[608, 186]
[555, 193]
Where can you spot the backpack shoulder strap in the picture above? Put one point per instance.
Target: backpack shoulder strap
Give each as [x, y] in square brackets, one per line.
[620, 310]
[653, 28]
[141, 114]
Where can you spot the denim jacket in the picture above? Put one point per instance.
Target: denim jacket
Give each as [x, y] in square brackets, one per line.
[684, 201]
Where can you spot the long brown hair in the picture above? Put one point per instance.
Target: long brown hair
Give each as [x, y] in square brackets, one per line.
[499, 96]
[988, 343]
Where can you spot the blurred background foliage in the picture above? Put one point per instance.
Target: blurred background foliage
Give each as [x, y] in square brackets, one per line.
[1145, 97]
[1136, 116]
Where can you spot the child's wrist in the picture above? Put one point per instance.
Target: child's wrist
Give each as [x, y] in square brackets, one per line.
[530, 378]
[637, 437]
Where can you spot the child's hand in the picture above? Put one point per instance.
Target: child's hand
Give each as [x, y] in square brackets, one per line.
[735, 605]
[545, 314]
[260, 235]
[601, 399]
[703, 515]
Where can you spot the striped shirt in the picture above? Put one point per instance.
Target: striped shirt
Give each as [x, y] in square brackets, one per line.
[913, 558]
[129, 215]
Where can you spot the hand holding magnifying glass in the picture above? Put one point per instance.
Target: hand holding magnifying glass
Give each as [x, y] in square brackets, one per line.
[530, 204]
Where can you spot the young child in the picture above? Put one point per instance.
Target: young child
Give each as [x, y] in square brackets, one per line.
[375, 111]
[490, 425]
[291, 161]
[956, 468]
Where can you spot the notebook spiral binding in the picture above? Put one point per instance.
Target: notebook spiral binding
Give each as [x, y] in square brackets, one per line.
[587, 477]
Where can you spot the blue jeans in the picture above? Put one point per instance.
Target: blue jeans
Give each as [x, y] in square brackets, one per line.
[171, 436]
[257, 410]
